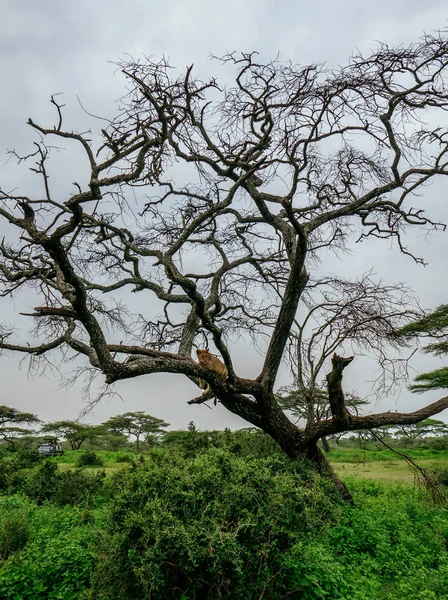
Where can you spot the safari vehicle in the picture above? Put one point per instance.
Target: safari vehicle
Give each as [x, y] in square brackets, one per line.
[50, 447]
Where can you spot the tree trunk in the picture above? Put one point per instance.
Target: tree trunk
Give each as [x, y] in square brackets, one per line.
[325, 444]
[296, 447]
[313, 453]
[293, 441]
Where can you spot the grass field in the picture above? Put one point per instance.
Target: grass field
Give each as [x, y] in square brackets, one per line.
[384, 465]
[387, 471]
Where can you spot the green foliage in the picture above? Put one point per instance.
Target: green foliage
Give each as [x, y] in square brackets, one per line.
[441, 474]
[215, 526]
[13, 416]
[27, 458]
[89, 459]
[14, 532]
[393, 543]
[79, 488]
[54, 561]
[250, 442]
[437, 379]
[112, 441]
[217, 515]
[428, 427]
[11, 424]
[71, 457]
[40, 484]
[124, 457]
[75, 433]
[137, 424]
[434, 325]
[383, 454]
[46, 484]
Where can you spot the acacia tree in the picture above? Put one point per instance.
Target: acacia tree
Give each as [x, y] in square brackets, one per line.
[434, 326]
[428, 427]
[136, 423]
[214, 203]
[75, 433]
[12, 421]
[363, 314]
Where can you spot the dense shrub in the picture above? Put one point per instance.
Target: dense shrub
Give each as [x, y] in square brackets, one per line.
[384, 455]
[124, 457]
[250, 442]
[46, 483]
[26, 458]
[89, 459]
[441, 474]
[393, 544]
[38, 484]
[6, 473]
[55, 560]
[14, 532]
[77, 487]
[217, 526]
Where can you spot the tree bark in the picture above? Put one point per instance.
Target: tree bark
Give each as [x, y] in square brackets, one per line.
[325, 445]
[314, 454]
[318, 458]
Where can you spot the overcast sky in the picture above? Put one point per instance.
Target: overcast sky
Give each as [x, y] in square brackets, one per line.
[49, 47]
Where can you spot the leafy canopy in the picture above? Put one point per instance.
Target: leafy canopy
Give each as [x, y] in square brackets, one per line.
[433, 326]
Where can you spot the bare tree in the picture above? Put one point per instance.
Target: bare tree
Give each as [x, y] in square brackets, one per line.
[277, 168]
[362, 314]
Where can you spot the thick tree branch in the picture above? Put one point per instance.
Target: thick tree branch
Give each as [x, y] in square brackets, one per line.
[334, 386]
[324, 428]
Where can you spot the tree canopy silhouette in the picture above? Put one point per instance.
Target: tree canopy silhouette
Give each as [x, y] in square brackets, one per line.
[214, 202]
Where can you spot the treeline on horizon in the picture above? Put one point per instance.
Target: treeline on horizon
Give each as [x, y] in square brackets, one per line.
[141, 431]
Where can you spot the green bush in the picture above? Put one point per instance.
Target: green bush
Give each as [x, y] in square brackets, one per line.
[441, 474]
[6, 473]
[217, 526]
[77, 487]
[47, 484]
[14, 532]
[124, 457]
[89, 459]
[393, 543]
[361, 456]
[38, 484]
[55, 561]
[26, 458]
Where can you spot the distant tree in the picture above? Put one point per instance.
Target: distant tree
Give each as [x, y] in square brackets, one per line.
[428, 427]
[433, 326]
[176, 438]
[137, 424]
[12, 421]
[75, 433]
[112, 441]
